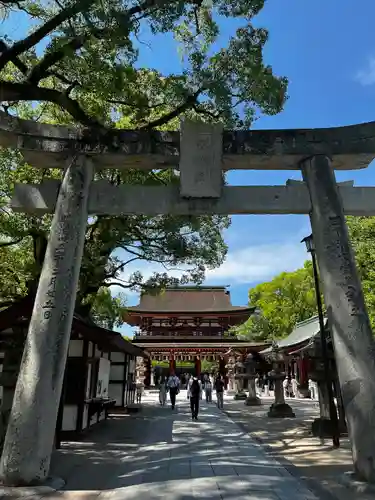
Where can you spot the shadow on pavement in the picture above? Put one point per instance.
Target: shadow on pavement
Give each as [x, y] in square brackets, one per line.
[160, 453]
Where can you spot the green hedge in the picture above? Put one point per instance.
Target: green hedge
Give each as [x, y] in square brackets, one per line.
[165, 364]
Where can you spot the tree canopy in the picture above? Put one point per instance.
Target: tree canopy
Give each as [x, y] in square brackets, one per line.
[290, 297]
[282, 302]
[79, 65]
[81, 57]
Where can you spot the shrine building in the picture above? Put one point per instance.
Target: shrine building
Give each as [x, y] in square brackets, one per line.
[189, 324]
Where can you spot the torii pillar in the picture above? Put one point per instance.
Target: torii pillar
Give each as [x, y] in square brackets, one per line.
[348, 318]
[31, 430]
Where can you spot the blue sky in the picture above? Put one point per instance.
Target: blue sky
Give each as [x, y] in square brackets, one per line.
[327, 50]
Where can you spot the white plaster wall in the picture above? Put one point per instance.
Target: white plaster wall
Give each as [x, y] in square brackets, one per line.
[102, 415]
[88, 380]
[131, 365]
[75, 348]
[85, 411]
[117, 372]
[105, 355]
[117, 356]
[98, 352]
[115, 392]
[91, 350]
[103, 378]
[69, 422]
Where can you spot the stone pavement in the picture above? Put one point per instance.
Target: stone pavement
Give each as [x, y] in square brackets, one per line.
[160, 453]
[290, 441]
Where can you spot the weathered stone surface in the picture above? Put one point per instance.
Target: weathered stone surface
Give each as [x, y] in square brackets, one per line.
[351, 331]
[252, 398]
[253, 401]
[322, 427]
[45, 145]
[280, 410]
[151, 200]
[31, 429]
[201, 171]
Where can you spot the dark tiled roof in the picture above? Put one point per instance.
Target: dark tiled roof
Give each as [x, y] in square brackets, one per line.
[187, 300]
[23, 309]
[303, 331]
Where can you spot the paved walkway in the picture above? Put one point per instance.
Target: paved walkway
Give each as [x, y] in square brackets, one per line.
[162, 454]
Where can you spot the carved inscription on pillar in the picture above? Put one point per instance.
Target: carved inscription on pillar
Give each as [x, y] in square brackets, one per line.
[31, 429]
[201, 160]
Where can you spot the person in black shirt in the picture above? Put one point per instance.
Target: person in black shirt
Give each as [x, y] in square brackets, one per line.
[219, 387]
[195, 391]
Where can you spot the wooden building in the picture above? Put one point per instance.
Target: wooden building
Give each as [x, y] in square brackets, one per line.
[296, 349]
[189, 323]
[99, 374]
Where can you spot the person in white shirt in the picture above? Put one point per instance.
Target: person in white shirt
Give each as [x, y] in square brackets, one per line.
[208, 390]
[286, 387]
[295, 387]
[311, 387]
[163, 391]
[173, 386]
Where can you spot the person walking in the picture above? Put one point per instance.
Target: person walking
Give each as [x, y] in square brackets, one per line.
[173, 385]
[294, 384]
[163, 391]
[190, 381]
[219, 387]
[195, 391]
[208, 390]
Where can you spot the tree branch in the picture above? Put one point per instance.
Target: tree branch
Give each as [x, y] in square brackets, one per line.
[190, 101]
[51, 58]
[34, 38]
[10, 243]
[122, 285]
[13, 91]
[40, 71]
[21, 66]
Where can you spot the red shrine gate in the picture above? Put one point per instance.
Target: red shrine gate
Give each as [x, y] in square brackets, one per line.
[189, 324]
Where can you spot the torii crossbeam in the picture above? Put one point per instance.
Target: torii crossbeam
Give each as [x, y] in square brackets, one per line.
[201, 152]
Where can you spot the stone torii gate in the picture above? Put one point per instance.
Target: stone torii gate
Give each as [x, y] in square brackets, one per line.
[201, 152]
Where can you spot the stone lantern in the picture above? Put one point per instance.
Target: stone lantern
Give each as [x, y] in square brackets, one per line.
[230, 369]
[239, 377]
[250, 366]
[279, 409]
[140, 371]
[323, 426]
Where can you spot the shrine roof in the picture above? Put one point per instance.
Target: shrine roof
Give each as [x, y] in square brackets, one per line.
[230, 344]
[22, 310]
[302, 332]
[188, 300]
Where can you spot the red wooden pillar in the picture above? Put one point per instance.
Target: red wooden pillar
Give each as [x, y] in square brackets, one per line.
[198, 367]
[222, 364]
[172, 365]
[303, 370]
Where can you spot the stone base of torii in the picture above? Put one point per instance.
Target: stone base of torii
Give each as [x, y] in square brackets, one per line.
[202, 154]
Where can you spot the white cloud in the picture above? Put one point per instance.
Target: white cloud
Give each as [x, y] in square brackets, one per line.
[245, 265]
[258, 263]
[366, 76]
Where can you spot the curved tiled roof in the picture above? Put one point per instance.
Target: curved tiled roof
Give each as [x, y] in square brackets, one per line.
[188, 300]
[303, 331]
